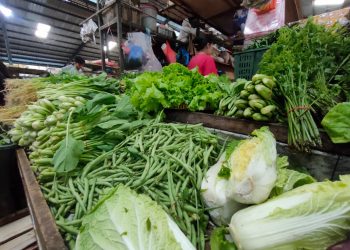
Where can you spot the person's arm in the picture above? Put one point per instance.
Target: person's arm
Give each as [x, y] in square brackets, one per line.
[210, 67]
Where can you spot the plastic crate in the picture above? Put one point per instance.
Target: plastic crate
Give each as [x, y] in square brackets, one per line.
[247, 62]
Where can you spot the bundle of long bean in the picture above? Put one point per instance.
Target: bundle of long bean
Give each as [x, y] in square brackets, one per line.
[165, 161]
[302, 129]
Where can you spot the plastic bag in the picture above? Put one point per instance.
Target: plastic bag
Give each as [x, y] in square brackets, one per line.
[169, 53]
[263, 24]
[87, 32]
[139, 53]
[186, 29]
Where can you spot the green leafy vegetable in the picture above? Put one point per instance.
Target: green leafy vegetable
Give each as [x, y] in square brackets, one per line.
[176, 86]
[337, 123]
[313, 216]
[68, 154]
[288, 179]
[218, 240]
[127, 220]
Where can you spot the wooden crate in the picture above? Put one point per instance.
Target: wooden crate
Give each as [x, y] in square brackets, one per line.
[47, 234]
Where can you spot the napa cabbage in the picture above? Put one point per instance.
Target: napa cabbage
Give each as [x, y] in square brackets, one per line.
[126, 220]
[312, 216]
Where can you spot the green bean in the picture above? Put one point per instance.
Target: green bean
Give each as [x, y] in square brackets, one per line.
[190, 208]
[76, 195]
[60, 210]
[68, 207]
[86, 191]
[76, 211]
[79, 186]
[103, 183]
[201, 239]
[73, 222]
[199, 176]
[184, 184]
[193, 235]
[188, 168]
[187, 222]
[66, 228]
[91, 195]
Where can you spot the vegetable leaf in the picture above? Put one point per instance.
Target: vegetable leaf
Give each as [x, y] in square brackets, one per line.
[218, 240]
[67, 156]
[337, 123]
[127, 220]
[288, 179]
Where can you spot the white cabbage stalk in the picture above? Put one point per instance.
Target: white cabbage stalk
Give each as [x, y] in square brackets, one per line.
[214, 195]
[253, 168]
[313, 216]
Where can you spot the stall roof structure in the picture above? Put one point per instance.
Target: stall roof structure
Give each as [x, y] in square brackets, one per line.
[19, 43]
[216, 13]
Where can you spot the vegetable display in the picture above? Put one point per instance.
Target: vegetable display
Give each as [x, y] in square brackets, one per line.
[133, 221]
[313, 216]
[251, 99]
[310, 81]
[115, 176]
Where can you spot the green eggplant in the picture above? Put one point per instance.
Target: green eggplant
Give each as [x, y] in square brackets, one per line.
[241, 104]
[259, 77]
[269, 83]
[248, 112]
[244, 94]
[239, 113]
[257, 104]
[259, 117]
[264, 91]
[253, 97]
[269, 109]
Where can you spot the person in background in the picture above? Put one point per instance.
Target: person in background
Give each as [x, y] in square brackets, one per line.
[3, 75]
[76, 67]
[203, 59]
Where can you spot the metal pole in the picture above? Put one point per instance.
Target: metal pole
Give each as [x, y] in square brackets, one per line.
[120, 35]
[7, 44]
[101, 33]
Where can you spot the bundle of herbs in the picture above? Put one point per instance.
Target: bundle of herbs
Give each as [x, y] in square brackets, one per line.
[309, 63]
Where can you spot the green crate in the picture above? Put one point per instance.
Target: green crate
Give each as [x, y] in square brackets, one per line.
[247, 62]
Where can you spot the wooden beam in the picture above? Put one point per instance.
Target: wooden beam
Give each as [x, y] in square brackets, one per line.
[299, 10]
[7, 43]
[245, 127]
[47, 233]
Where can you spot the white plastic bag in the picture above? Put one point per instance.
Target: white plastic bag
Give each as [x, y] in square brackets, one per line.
[87, 32]
[141, 43]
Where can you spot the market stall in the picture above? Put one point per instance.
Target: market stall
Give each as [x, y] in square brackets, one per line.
[172, 159]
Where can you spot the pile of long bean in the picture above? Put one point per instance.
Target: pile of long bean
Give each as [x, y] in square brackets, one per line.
[165, 161]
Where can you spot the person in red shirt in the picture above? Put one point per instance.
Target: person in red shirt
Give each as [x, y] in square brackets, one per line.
[203, 59]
